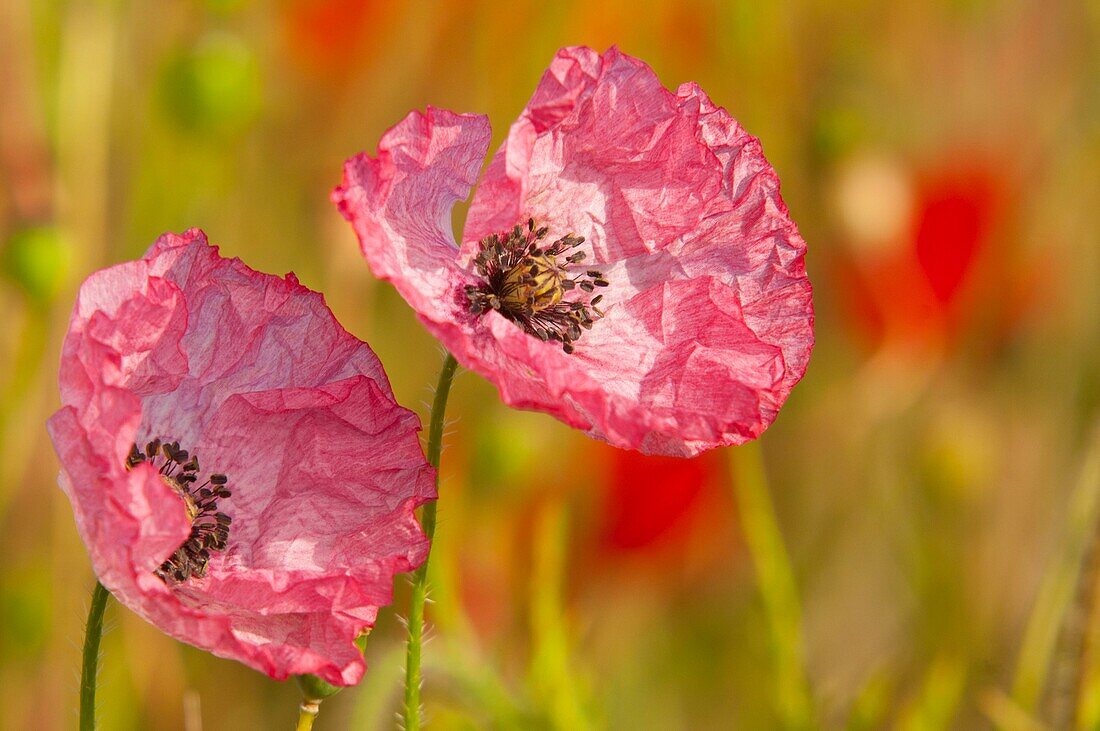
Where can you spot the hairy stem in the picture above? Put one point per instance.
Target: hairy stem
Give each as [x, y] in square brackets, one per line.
[413, 676]
[90, 665]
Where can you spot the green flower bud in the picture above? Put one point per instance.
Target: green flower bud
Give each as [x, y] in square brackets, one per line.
[38, 259]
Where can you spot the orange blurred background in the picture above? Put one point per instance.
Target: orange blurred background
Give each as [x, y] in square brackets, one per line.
[932, 479]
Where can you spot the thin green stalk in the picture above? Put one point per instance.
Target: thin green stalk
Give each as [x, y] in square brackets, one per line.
[1067, 672]
[314, 690]
[551, 675]
[937, 701]
[92, 634]
[420, 577]
[777, 586]
[307, 713]
[1055, 597]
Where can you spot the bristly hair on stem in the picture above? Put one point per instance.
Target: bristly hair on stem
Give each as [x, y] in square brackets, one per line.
[413, 713]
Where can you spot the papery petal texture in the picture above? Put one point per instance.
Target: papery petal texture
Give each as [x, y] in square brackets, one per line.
[708, 314]
[253, 375]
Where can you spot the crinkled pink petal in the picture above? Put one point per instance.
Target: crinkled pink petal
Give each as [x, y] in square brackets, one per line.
[425, 164]
[252, 374]
[709, 318]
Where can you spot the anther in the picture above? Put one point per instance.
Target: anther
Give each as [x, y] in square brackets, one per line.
[209, 527]
[526, 283]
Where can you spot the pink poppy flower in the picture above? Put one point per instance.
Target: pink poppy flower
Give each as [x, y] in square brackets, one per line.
[627, 263]
[237, 465]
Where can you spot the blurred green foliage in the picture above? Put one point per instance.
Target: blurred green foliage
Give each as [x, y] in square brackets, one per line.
[213, 87]
[39, 260]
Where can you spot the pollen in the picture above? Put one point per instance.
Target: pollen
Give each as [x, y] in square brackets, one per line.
[209, 528]
[535, 285]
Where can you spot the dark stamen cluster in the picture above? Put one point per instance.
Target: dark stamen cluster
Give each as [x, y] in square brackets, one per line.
[209, 528]
[527, 283]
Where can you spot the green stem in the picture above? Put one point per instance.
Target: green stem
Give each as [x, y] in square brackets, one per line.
[1068, 670]
[92, 634]
[420, 577]
[1038, 658]
[551, 674]
[307, 713]
[775, 578]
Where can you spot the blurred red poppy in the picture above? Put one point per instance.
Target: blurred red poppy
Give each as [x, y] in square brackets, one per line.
[662, 506]
[925, 280]
[955, 217]
[327, 37]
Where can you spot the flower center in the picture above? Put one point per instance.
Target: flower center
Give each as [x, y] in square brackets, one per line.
[209, 528]
[528, 284]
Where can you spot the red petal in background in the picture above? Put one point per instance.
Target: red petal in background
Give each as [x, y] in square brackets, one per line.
[653, 501]
[953, 223]
[940, 272]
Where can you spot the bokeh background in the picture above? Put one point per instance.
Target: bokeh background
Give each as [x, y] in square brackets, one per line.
[901, 548]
